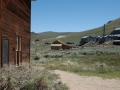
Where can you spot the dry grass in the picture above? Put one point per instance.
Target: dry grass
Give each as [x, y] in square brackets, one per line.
[98, 61]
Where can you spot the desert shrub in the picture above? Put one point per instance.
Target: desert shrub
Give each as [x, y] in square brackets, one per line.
[28, 77]
[53, 56]
[60, 86]
[101, 68]
[36, 58]
[46, 56]
[5, 84]
[88, 53]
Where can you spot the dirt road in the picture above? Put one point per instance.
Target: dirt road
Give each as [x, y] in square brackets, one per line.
[76, 82]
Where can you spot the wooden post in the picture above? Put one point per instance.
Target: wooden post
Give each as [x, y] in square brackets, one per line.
[103, 33]
[104, 30]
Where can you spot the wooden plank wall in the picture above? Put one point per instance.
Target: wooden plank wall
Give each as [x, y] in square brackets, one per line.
[0, 33]
[15, 21]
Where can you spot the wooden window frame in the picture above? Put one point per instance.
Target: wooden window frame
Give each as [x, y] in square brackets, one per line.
[18, 51]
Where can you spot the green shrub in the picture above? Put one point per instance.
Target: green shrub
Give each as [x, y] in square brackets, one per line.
[36, 58]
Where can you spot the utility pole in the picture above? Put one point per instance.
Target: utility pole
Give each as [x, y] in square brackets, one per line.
[103, 32]
[113, 34]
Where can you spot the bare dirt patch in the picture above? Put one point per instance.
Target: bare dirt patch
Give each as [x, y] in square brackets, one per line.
[60, 37]
[76, 82]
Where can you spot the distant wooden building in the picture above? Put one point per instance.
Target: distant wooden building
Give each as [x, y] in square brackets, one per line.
[86, 39]
[15, 31]
[58, 45]
[102, 39]
[115, 36]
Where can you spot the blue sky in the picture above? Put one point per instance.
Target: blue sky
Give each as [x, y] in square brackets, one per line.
[72, 15]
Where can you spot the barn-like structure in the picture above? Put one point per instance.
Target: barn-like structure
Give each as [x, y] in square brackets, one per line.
[15, 20]
[58, 45]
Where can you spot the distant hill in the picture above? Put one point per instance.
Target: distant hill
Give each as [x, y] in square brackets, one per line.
[51, 34]
[73, 36]
[35, 36]
[48, 35]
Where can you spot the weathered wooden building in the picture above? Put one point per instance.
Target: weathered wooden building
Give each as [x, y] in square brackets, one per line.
[15, 31]
[115, 36]
[86, 39]
[58, 45]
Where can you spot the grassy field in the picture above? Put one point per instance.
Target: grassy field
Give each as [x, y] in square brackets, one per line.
[100, 61]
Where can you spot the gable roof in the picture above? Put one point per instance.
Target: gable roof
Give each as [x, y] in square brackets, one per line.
[57, 42]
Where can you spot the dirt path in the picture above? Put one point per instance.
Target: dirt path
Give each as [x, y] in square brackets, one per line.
[76, 82]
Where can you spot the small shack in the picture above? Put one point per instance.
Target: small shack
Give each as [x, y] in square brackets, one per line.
[58, 45]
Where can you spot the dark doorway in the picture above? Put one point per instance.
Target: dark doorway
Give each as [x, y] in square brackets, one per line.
[5, 50]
